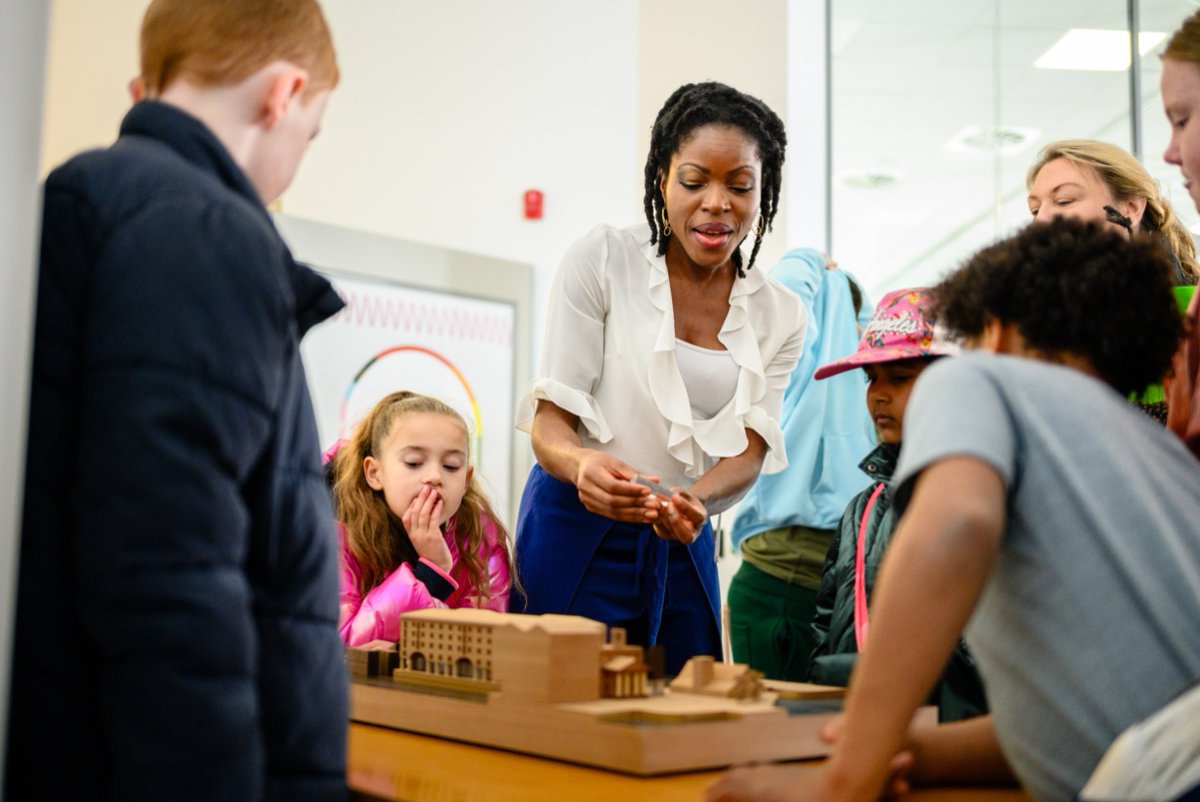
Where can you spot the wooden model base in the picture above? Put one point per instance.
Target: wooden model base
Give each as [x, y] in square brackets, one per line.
[541, 684]
[648, 736]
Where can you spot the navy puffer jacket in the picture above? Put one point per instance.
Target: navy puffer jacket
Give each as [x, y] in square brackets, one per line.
[177, 598]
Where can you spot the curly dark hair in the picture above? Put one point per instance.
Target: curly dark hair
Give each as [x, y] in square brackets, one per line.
[693, 105]
[1073, 288]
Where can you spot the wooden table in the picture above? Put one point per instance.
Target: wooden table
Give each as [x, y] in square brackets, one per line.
[392, 765]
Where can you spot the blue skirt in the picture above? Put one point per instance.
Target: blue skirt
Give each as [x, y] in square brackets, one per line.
[570, 560]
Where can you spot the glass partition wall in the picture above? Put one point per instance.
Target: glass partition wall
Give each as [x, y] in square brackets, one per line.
[939, 107]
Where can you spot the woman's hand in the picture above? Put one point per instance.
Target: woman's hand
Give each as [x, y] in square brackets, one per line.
[682, 517]
[606, 487]
[421, 521]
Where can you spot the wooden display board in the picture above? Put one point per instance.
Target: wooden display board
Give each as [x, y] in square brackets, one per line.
[532, 684]
[655, 735]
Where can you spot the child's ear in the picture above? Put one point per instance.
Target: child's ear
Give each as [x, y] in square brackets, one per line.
[1002, 338]
[137, 89]
[371, 473]
[992, 337]
[470, 474]
[284, 86]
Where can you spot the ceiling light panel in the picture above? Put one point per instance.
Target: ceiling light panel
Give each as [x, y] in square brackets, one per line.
[1096, 50]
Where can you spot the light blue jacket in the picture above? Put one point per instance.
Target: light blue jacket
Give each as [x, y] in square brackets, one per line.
[826, 427]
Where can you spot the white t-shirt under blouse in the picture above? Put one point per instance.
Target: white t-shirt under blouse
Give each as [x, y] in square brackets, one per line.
[609, 358]
[709, 376]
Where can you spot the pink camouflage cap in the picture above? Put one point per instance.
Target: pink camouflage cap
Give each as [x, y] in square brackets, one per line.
[899, 329]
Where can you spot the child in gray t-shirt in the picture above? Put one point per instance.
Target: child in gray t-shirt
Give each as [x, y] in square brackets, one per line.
[1038, 505]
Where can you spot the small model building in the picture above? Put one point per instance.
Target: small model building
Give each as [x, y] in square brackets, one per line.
[461, 648]
[622, 668]
[372, 662]
[703, 675]
[542, 658]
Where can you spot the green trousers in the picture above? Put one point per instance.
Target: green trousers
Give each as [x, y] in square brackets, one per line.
[769, 624]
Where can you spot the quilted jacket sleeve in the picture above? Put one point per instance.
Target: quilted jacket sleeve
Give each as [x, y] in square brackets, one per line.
[496, 562]
[376, 615]
[826, 599]
[499, 574]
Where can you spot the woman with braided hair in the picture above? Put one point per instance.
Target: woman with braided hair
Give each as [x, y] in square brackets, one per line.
[665, 359]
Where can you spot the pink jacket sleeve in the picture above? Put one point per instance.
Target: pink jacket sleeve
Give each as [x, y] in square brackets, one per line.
[499, 578]
[376, 616]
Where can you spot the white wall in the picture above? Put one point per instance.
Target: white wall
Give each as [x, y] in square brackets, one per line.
[446, 114]
[92, 55]
[22, 57]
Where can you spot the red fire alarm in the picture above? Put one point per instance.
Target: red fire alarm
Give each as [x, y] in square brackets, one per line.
[533, 204]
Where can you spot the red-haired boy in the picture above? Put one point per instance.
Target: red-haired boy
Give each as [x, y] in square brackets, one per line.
[177, 593]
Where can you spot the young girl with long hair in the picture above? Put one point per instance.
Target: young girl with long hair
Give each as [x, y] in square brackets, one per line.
[414, 528]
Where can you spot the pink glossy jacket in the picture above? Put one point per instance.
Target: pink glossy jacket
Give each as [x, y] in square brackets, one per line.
[376, 616]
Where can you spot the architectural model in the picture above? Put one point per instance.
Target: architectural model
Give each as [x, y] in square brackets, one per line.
[554, 685]
[705, 676]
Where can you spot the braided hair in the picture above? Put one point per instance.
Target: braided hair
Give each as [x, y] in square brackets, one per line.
[692, 106]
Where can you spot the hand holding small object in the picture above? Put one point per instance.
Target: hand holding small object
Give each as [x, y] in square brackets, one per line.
[681, 521]
[655, 487]
[659, 497]
[605, 487]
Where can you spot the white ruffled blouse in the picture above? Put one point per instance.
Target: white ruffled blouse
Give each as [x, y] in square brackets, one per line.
[609, 358]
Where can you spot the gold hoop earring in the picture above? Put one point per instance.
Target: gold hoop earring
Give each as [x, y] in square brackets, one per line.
[666, 229]
[761, 228]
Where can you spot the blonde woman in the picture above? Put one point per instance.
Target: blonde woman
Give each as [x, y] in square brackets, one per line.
[1098, 181]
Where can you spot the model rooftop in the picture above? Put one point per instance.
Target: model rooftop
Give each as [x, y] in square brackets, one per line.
[551, 623]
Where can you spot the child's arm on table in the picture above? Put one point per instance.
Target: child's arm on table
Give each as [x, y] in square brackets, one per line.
[962, 752]
[930, 580]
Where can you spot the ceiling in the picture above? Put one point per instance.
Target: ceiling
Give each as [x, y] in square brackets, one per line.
[910, 76]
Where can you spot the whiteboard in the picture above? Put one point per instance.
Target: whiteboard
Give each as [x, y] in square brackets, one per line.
[426, 319]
